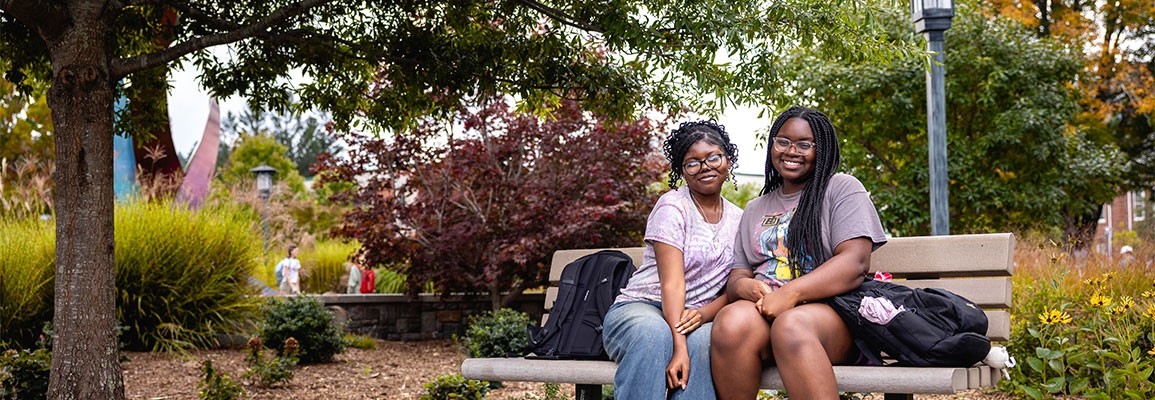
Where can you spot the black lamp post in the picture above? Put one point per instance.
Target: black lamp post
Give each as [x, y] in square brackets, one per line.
[264, 190]
[932, 18]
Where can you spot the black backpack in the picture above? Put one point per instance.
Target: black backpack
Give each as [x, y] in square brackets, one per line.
[937, 328]
[587, 288]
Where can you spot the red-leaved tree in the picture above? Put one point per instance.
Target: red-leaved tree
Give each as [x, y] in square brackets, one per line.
[481, 202]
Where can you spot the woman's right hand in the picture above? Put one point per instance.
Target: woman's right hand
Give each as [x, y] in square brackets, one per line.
[678, 372]
[753, 289]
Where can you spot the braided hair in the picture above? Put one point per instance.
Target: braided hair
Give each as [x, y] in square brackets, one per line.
[691, 132]
[806, 228]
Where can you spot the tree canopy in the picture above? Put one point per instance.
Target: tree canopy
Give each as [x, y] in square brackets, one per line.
[1118, 82]
[1014, 159]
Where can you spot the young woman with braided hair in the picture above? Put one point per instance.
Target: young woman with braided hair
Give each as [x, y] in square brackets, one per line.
[807, 237]
[660, 324]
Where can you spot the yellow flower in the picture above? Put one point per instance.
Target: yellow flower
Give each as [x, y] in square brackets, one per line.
[1127, 303]
[1152, 351]
[1150, 313]
[1054, 317]
[1099, 300]
[1148, 294]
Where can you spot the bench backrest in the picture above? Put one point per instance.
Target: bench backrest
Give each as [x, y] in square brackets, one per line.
[977, 267]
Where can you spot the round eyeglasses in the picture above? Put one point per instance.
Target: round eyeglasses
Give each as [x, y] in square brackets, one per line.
[782, 144]
[694, 167]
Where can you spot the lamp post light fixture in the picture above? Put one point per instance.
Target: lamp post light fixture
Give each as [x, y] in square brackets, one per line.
[932, 18]
[264, 190]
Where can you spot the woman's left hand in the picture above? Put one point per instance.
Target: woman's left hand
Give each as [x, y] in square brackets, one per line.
[690, 320]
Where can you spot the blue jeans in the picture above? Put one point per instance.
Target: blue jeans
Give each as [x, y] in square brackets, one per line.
[637, 337]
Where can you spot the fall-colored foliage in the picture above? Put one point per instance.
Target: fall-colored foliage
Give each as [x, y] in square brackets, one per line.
[480, 203]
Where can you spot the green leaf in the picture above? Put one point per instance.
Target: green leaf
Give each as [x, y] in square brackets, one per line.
[1055, 385]
[1035, 363]
[1032, 392]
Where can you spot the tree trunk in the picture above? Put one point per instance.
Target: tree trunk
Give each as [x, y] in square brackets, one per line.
[85, 362]
[1079, 230]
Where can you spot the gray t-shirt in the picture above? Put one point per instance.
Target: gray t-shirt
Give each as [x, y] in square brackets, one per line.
[707, 249]
[847, 213]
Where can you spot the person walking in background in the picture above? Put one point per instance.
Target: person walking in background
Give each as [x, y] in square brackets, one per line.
[289, 272]
[354, 284]
[659, 326]
[806, 238]
[1126, 256]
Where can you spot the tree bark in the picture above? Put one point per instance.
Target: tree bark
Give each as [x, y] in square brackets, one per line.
[85, 362]
[1079, 229]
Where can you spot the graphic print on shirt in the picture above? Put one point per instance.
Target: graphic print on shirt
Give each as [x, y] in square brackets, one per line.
[771, 242]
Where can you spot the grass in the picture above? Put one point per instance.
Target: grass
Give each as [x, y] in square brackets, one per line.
[27, 259]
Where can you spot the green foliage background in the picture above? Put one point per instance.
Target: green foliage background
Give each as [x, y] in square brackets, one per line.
[253, 150]
[1013, 161]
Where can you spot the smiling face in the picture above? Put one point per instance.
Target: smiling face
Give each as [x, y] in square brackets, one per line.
[709, 178]
[795, 165]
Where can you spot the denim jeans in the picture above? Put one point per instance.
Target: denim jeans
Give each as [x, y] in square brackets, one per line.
[637, 337]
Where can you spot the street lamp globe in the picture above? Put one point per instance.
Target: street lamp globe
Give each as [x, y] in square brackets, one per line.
[264, 179]
[931, 15]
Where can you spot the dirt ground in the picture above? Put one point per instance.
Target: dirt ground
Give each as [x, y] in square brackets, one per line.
[395, 370]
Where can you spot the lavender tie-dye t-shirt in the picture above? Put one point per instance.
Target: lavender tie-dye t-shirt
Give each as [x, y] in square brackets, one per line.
[707, 249]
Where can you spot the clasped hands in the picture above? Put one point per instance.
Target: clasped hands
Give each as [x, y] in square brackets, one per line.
[767, 304]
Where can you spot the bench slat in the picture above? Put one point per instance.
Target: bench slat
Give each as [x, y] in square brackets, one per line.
[563, 257]
[978, 290]
[850, 378]
[990, 254]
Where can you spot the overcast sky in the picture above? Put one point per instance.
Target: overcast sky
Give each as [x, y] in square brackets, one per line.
[189, 111]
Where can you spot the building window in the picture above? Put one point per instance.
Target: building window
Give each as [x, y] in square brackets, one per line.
[1140, 207]
[1103, 214]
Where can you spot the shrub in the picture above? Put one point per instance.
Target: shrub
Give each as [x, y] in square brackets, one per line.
[1083, 327]
[323, 265]
[24, 374]
[27, 261]
[274, 371]
[182, 276]
[306, 319]
[217, 386]
[497, 333]
[455, 387]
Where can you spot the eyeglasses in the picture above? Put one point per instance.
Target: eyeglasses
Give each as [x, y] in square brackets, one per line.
[783, 144]
[694, 167]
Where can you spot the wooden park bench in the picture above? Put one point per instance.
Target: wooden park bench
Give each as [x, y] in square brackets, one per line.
[978, 267]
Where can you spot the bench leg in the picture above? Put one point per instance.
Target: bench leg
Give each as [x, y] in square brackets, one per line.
[588, 392]
[897, 396]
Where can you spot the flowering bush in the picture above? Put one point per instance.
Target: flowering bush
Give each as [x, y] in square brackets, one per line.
[1083, 328]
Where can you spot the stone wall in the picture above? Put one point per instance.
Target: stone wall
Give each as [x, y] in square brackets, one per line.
[399, 317]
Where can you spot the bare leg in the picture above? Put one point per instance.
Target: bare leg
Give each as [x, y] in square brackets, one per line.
[739, 343]
[807, 340]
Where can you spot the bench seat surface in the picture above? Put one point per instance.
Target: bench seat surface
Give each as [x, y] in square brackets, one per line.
[858, 379]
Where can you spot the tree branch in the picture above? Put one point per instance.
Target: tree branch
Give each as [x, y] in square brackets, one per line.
[45, 17]
[121, 68]
[560, 16]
